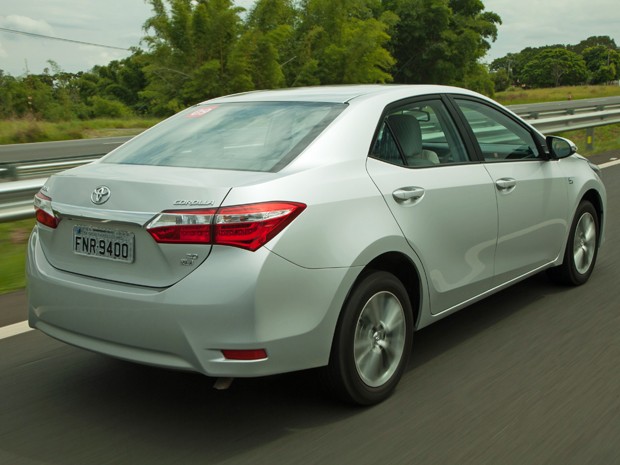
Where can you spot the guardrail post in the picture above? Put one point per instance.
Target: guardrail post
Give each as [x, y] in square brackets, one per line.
[589, 139]
[8, 171]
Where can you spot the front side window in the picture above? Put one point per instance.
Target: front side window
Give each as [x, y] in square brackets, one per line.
[500, 138]
[419, 134]
[255, 136]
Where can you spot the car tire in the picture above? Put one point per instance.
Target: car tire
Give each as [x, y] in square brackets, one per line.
[373, 340]
[581, 248]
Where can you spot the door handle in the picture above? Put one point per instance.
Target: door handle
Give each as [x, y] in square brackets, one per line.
[408, 193]
[506, 184]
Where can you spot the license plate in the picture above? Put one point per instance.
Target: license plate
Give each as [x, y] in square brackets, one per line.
[111, 244]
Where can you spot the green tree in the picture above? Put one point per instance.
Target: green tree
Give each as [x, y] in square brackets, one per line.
[555, 67]
[121, 80]
[343, 41]
[190, 44]
[501, 80]
[593, 41]
[11, 91]
[507, 67]
[514, 63]
[442, 41]
[602, 63]
[267, 43]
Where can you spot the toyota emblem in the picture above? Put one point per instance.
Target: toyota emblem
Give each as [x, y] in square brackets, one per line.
[100, 195]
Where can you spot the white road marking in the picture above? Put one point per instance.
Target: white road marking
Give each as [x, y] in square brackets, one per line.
[14, 330]
[609, 163]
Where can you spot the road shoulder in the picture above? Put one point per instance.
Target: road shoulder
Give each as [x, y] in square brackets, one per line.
[13, 308]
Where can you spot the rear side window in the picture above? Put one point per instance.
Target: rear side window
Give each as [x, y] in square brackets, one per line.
[419, 134]
[257, 136]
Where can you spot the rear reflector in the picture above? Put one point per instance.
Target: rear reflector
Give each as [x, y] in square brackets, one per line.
[253, 354]
[43, 211]
[245, 226]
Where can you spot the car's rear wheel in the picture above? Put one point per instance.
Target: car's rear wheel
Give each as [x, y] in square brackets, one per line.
[581, 248]
[372, 341]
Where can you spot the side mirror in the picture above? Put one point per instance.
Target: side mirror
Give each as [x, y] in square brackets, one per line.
[560, 147]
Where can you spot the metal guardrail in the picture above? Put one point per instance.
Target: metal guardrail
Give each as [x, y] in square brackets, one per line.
[43, 168]
[30, 160]
[573, 121]
[16, 199]
[553, 117]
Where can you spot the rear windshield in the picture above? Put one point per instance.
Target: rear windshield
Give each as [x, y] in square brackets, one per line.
[257, 136]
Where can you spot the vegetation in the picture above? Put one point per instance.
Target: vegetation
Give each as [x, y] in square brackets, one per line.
[606, 139]
[516, 96]
[16, 131]
[551, 67]
[13, 239]
[595, 60]
[198, 49]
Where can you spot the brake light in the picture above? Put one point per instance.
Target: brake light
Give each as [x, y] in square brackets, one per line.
[245, 226]
[251, 226]
[182, 227]
[43, 211]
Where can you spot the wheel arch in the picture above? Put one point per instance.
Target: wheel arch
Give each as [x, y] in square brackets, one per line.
[405, 270]
[595, 199]
[340, 373]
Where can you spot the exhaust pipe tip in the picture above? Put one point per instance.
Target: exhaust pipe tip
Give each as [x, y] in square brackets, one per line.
[221, 384]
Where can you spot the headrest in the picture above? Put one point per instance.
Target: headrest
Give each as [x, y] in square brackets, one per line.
[406, 129]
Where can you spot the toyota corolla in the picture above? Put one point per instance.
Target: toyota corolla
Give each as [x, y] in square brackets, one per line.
[274, 231]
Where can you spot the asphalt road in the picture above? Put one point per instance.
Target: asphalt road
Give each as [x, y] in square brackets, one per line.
[528, 376]
[86, 148]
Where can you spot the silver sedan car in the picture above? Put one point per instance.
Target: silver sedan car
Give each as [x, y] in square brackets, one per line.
[274, 231]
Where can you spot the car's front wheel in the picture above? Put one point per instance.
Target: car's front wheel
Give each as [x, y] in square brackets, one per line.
[581, 248]
[372, 341]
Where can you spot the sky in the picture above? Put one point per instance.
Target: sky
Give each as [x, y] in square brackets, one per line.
[118, 23]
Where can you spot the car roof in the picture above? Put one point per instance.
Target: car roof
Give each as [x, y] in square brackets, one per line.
[337, 94]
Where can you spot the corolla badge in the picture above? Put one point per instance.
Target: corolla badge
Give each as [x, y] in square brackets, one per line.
[193, 202]
[100, 195]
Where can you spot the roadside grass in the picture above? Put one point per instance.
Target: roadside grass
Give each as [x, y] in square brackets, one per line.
[554, 94]
[606, 138]
[23, 130]
[13, 241]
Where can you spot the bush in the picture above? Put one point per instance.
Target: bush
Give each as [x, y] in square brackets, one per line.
[501, 80]
[57, 112]
[31, 133]
[103, 107]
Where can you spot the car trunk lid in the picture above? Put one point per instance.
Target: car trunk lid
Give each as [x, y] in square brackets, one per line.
[104, 210]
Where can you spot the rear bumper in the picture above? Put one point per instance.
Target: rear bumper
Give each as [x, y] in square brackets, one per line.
[235, 300]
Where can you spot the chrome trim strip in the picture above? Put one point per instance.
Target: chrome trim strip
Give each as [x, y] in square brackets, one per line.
[104, 216]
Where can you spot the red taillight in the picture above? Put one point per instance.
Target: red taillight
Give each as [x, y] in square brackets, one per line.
[251, 226]
[43, 211]
[183, 227]
[252, 354]
[245, 226]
